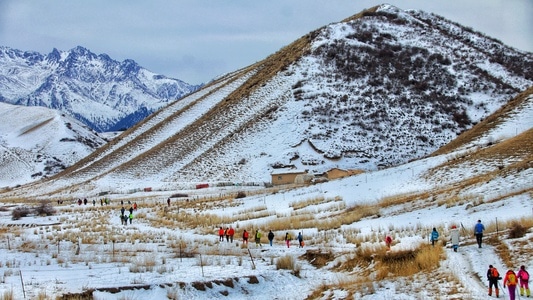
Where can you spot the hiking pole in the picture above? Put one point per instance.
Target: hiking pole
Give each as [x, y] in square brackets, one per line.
[503, 289]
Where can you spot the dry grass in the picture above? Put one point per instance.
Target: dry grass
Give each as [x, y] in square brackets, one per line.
[288, 262]
[408, 262]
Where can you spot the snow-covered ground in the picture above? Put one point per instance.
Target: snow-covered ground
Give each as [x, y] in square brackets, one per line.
[39, 253]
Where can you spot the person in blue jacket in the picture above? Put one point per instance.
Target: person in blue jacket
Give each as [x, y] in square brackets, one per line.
[300, 240]
[434, 236]
[478, 232]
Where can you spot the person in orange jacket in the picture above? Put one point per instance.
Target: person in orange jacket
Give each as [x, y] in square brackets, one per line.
[510, 281]
[221, 235]
[231, 233]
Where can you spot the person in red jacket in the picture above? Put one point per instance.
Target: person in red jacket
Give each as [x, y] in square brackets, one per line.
[245, 237]
[510, 281]
[221, 235]
[388, 241]
[231, 233]
[523, 277]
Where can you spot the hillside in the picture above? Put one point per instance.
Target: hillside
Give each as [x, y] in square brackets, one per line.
[379, 89]
[173, 251]
[37, 142]
[104, 94]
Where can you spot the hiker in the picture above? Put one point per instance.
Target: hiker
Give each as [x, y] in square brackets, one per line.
[493, 276]
[231, 233]
[478, 232]
[300, 240]
[388, 241]
[288, 239]
[510, 281]
[245, 237]
[122, 211]
[523, 277]
[135, 205]
[220, 234]
[131, 217]
[94, 202]
[270, 237]
[226, 234]
[125, 217]
[131, 209]
[168, 202]
[434, 236]
[454, 235]
[258, 238]
[84, 201]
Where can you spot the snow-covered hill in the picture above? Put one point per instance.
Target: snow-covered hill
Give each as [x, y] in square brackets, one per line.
[105, 94]
[376, 90]
[37, 142]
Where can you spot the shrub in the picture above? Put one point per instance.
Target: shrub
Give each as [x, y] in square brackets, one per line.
[517, 230]
[45, 209]
[20, 212]
[240, 194]
[288, 263]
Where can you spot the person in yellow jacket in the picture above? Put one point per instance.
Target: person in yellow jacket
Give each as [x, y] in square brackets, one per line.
[258, 238]
[510, 281]
[288, 239]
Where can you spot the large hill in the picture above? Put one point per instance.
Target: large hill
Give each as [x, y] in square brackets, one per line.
[105, 94]
[378, 89]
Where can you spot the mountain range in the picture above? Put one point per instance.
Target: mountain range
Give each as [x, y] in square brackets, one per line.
[105, 94]
[378, 89]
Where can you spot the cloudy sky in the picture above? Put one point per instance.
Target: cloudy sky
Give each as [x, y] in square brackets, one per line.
[196, 40]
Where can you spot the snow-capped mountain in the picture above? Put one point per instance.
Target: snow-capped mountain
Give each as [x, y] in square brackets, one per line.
[105, 94]
[37, 142]
[378, 89]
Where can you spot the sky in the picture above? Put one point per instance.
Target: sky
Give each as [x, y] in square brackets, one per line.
[197, 40]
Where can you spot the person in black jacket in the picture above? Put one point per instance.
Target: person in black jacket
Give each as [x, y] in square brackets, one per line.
[270, 237]
[493, 276]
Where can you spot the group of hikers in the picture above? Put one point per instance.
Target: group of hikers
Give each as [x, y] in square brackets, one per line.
[454, 235]
[228, 233]
[103, 201]
[510, 280]
[124, 217]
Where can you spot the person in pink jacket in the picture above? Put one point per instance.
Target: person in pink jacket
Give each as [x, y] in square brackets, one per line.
[523, 278]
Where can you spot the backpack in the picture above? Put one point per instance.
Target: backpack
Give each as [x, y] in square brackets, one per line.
[494, 273]
[511, 279]
[524, 275]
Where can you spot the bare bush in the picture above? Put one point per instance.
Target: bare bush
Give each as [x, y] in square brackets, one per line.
[20, 212]
[45, 209]
[517, 230]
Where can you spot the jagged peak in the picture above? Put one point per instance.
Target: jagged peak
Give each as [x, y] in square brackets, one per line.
[55, 55]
